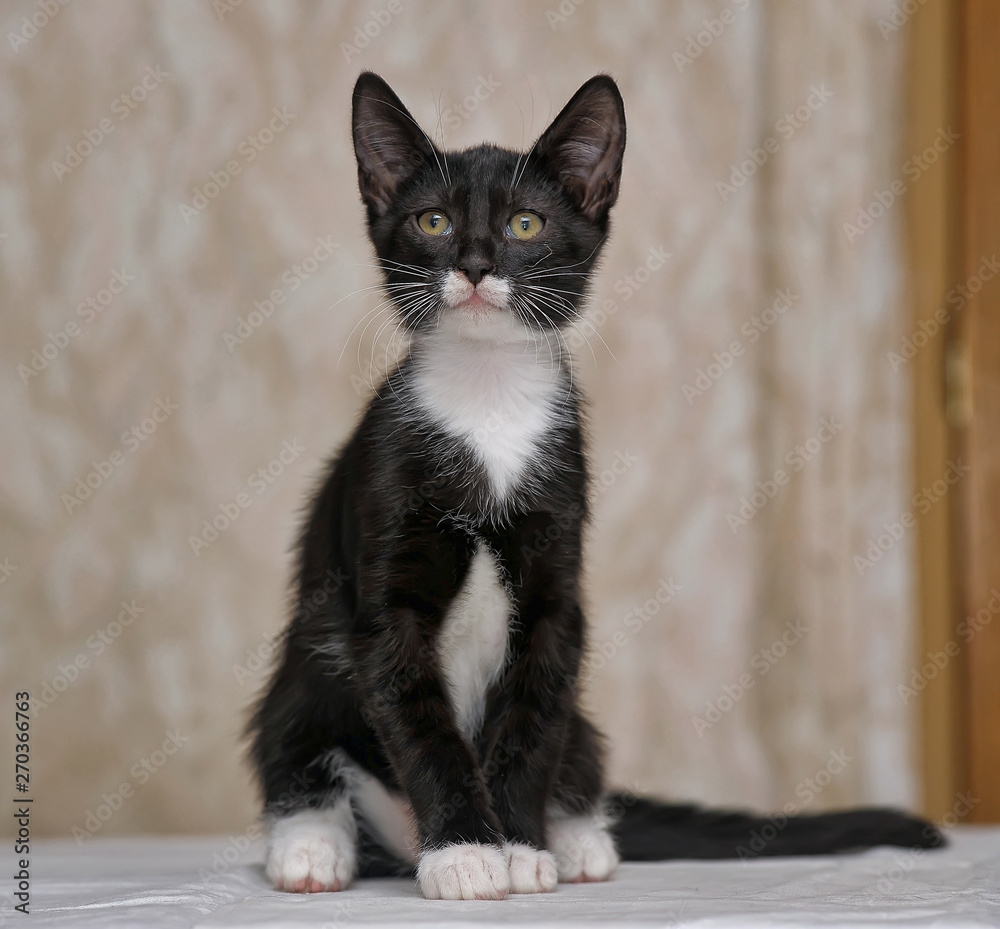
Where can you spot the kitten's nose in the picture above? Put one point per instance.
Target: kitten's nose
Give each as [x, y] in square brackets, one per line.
[475, 269]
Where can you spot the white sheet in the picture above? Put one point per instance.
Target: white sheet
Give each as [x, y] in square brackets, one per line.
[159, 882]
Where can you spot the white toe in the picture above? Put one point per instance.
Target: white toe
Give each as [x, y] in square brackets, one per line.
[532, 871]
[464, 872]
[313, 850]
[583, 848]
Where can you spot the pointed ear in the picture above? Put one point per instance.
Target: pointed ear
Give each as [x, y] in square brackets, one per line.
[388, 143]
[583, 147]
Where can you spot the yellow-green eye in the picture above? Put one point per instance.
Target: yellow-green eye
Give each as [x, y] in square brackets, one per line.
[525, 225]
[434, 222]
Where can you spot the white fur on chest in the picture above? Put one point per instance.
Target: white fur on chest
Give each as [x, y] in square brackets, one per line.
[472, 641]
[499, 398]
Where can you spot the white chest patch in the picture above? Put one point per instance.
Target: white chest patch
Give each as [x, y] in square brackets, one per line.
[500, 398]
[472, 642]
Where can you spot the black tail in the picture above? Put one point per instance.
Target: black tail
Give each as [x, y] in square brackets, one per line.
[648, 830]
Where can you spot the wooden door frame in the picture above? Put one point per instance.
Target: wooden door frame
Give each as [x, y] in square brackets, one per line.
[933, 257]
[953, 222]
[978, 334]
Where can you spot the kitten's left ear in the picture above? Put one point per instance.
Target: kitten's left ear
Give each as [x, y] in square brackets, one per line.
[583, 147]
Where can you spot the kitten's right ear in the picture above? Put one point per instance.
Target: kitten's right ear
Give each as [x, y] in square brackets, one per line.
[388, 143]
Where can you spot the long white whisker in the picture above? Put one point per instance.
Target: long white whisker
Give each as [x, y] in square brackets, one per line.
[571, 320]
[581, 261]
[369, 315]
[567, 312]
[372, 316]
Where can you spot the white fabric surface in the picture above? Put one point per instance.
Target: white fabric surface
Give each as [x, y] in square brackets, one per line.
[160, 882]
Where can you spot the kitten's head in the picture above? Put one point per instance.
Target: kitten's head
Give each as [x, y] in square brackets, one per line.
[488, 242]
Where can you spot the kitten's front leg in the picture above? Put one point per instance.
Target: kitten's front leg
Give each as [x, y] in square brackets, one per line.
[529, 715]
[406, 701]
[525, 756]
[461, 837]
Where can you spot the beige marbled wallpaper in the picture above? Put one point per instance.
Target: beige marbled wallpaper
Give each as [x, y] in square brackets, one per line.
[183, 328]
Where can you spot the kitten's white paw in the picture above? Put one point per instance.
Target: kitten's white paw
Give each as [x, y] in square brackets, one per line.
[532, 871]
[313, 850]
[464, 872]
[583, 849]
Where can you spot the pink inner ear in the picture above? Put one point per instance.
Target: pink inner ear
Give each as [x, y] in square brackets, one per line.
[584, 146]
[593, 174]
[388, 142]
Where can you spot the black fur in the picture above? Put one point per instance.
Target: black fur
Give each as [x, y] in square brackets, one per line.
[392, 529]
[647, 830]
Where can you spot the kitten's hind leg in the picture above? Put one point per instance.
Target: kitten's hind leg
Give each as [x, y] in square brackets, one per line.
[313, 849]
[582, 846]
[577, 828]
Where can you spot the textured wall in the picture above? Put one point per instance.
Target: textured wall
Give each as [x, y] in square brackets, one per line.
[231, 183]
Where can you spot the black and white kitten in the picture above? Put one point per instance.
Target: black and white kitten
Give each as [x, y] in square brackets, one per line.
[424, 713]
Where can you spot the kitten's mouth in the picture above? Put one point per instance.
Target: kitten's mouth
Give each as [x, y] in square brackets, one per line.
[479, 312]
[479, 305]
[478, 301]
